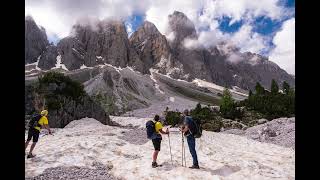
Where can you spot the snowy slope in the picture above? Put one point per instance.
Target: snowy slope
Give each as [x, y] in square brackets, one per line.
[221, 156]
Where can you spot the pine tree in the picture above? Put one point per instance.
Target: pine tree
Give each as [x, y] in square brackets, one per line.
[285, 87]
[259, 89]
[274, 87]
[227, 105]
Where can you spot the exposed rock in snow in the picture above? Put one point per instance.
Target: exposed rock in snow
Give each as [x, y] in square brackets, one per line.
[155, 83]
[85, 142]
[279, 131]
[59, 64]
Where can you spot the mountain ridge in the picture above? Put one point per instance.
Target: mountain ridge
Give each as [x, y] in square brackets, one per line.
[147, 48]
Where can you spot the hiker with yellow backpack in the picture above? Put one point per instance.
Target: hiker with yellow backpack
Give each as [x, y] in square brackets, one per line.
[38, 122]
[154, 128]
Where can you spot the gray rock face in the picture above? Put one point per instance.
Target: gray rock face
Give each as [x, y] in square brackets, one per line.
[107, 42]
[150, 45]
[72, 53]
[48, 58]
[192, 60]
[182, 27]
[121, 91]
[214, 65]
[35, 40]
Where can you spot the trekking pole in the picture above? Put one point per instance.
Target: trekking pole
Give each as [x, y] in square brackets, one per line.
[170, 149]
[184, 154]
[181, 148]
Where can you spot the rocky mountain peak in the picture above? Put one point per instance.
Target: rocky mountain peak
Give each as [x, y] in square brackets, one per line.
[35, 40]
[150, 28]
[182, 26]
[150, 45]
[106, 42]
[102, 42]
[146, 30]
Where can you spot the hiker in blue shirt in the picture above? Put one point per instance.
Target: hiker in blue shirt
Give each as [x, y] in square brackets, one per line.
[187, 128]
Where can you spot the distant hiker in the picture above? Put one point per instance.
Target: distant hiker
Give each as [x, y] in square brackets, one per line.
[37, 122]
[154, 128]
[188, 128]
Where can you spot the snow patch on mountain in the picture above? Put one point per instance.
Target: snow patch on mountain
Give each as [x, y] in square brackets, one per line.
[59, 64]
[155, 81]
[203, 83]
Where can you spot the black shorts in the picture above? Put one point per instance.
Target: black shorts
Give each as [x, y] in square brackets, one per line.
[33, 134]
[156, 144]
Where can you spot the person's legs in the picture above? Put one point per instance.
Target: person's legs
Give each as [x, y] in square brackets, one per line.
[32, 147]
[35, 137]
[155, 156]
[156, 144]
[28, 139]
[192, 147]
[26, 145]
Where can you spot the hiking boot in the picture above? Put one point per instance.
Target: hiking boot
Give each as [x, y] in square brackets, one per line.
[30, 156]
[154, 164]
[194, 167]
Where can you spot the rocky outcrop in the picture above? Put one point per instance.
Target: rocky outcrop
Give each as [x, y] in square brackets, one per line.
[35, 40]
[279, 131]
[63, 107]
[72, 53]
[119, 91]
[182, 27]
[150, 45]
[48, 58]
[192, 60]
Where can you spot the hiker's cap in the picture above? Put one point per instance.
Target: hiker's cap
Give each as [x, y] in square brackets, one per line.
[156, 117]
[44, 113]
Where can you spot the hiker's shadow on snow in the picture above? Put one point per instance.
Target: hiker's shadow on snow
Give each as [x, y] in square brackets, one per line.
[225, 170]
[167, 166]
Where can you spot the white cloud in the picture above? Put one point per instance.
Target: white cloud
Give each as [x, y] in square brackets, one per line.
[234, 58]
[171, 36]
[129, 29]
[212, 10]
[58, 16]
[206, 39]
[160, 9]
[240, 9]
[247, 40]
[284, 52]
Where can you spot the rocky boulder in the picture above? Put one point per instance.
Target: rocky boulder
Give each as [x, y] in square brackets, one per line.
[232, 124]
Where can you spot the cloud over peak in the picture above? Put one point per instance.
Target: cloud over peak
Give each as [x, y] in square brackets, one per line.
[58, 16]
